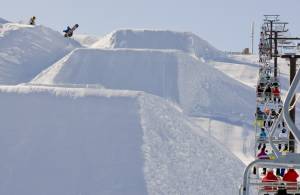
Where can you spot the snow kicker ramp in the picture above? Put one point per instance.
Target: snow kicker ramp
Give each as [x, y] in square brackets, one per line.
[161, 39]
[94, 141]
[27, 50]
[200, 89]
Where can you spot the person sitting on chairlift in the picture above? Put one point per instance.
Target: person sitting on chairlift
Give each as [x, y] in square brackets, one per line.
[263, 134]
[270, 177]
[291, 177]
[262, 154]
[283, 134]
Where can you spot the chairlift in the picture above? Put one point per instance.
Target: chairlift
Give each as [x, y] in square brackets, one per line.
[290, 160]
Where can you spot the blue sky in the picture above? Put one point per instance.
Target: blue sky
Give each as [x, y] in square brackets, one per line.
[224, 23]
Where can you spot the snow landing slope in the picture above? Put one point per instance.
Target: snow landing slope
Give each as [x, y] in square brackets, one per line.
[200, 89]
[95, 141]
[161, 39]
[85, 40]
[26, 50]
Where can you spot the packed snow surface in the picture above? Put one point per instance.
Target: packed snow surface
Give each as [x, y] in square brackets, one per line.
[116, 118]
[85, 40]
[238, 137]
[244, 68]
[58, 140]
[160, 39]
[27, 50]
[200, 89]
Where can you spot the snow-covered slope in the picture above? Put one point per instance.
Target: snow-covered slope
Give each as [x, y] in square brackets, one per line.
[94, 141]
[200, 89]
[161, 39]
[26, 50]
[85, 40]
[242, 72]
[237, 137]
[244, 69]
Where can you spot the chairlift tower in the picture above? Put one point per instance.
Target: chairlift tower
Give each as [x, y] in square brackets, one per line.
[274, 28]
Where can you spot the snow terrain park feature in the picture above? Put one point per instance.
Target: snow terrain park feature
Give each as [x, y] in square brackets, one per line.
[118, 115]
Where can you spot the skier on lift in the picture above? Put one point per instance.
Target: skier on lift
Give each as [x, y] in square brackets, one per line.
[259, 90]
[285, 149]
[263, 134]
[276, 93]
[291, 177]
[262, 154]
[267, 110]
[270, 177]
[283, 134]
[259, 114]
[268, 91]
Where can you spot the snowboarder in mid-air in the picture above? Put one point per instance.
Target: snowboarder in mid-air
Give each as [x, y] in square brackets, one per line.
[32, 20]
[69, 31]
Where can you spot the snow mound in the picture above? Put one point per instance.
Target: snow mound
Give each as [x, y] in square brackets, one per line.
[161, 39]
[63, 141]
[200, 89]
[241, 72]
[26, 50]
[179, 161]
[85, 40]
